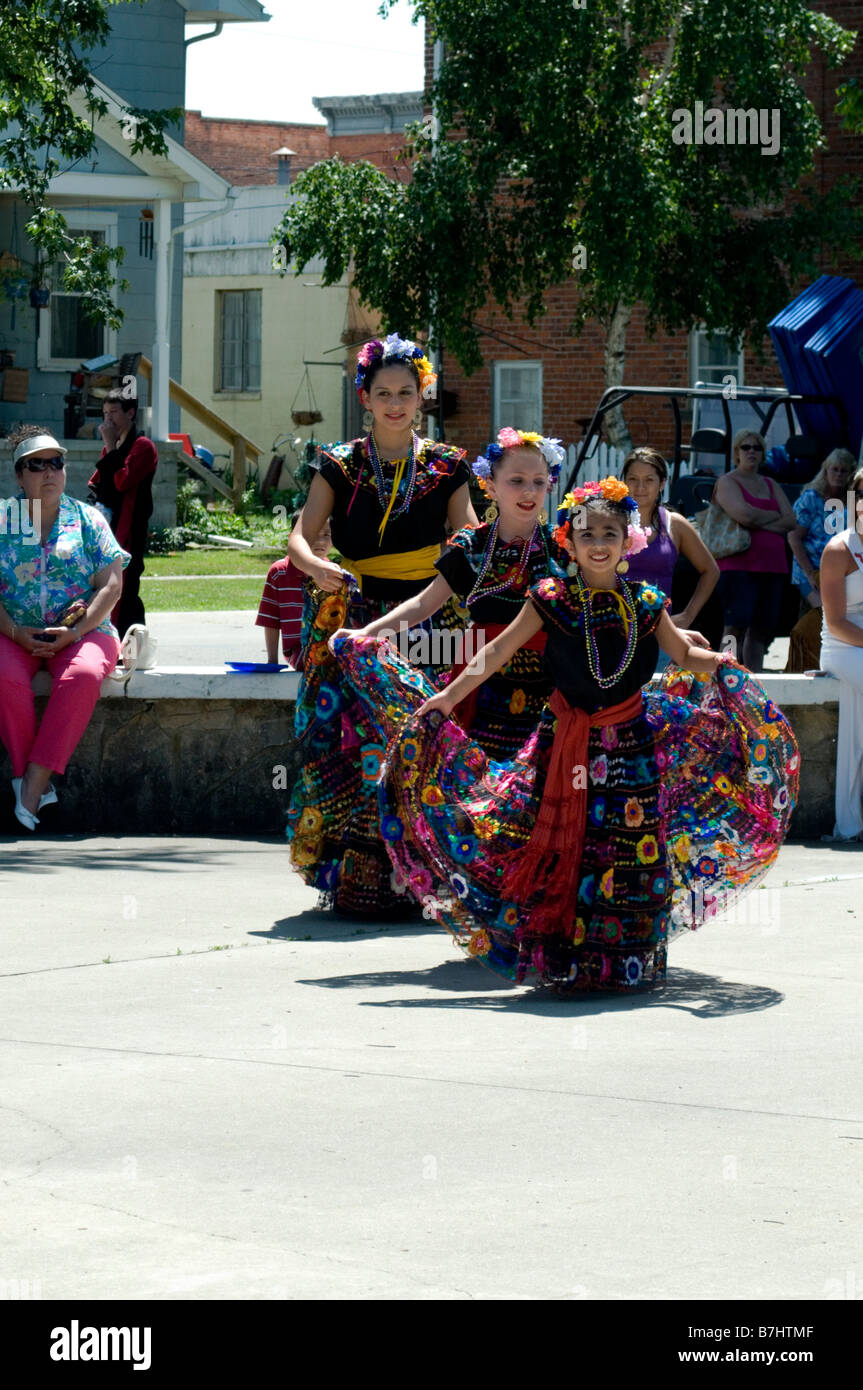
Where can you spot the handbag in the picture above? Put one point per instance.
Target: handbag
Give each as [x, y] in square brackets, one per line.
[137, 650]
[73, 612]
[722, 535]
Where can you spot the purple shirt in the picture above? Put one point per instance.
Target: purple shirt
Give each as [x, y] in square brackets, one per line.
[655, 564]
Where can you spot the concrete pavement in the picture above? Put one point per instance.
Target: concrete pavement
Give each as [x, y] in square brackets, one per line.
[211, 1090]
[208, 639]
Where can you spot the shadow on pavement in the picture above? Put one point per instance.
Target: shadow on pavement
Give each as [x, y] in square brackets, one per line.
[44, 854]
[314, 924]
[703, 996]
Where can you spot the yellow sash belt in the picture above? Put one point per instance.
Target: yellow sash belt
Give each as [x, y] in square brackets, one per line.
[407, 564]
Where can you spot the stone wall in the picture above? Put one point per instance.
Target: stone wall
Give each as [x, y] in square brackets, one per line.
[190, 759]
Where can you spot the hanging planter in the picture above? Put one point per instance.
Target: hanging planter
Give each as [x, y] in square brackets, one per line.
[39, 296]
[311, 415]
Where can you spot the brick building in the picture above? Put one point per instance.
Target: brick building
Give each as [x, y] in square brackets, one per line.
[543, 377]
[357, 127]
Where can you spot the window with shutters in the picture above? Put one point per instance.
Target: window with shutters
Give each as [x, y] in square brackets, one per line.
[240, 340]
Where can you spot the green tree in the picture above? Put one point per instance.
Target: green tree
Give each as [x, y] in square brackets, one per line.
[850, 105]
[557, 125]
[46, 47]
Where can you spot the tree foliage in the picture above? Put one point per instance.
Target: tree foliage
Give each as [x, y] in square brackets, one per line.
[46, 48]
[557, 132]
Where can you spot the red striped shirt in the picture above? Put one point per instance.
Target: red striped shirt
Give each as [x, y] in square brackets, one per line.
[282, 605]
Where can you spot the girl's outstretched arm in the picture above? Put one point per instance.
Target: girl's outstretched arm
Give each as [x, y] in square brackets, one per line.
[684, 653]
[488, 659]
[410, 613]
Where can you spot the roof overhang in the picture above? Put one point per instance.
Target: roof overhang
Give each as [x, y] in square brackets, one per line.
[178, 175]
[224, 12]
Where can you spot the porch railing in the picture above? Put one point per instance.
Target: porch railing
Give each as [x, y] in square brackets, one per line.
[242, 448]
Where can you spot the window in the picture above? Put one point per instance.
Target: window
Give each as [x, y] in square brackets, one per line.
[67, 337]
[517, 396]
[240, 339]
[712, 357]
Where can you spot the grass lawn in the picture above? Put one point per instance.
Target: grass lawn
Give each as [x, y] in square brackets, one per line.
[212, 562]
[197, 595]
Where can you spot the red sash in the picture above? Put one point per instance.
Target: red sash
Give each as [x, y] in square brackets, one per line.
[465, 710]
[551, 860]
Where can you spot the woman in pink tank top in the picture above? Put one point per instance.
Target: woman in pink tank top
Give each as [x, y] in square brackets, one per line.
[751, 583]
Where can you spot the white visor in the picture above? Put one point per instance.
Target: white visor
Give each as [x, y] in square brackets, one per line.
[35, 445]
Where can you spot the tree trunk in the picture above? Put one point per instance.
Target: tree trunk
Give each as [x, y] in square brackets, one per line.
[615, 356]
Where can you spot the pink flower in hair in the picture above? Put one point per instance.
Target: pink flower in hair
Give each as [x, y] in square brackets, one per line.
[369, 351]
[637, 539]
[509, 438]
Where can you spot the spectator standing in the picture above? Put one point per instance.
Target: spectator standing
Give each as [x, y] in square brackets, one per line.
[752, 582]
[807, 542]
[645, 473]
[123, 485]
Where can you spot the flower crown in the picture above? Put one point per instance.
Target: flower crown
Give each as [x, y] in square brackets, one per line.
[551, 449]
[609, 490]
[395, 349]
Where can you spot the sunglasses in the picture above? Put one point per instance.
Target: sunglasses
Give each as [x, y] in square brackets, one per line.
[39, 465]
[751, 449]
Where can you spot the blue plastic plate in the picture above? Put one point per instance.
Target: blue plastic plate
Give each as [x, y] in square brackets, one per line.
[247, 667]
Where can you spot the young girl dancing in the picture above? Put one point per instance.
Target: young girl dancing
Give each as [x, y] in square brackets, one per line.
[488, 570]
[627, 816]
[389, 498]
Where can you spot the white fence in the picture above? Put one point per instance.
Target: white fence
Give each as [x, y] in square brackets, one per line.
[603, 459]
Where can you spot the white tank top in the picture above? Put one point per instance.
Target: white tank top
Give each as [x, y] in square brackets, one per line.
[853, 585]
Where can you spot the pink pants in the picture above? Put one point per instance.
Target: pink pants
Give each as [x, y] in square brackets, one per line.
[78, 672]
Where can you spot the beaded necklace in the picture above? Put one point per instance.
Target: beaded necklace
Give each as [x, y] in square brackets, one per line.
[627, 608]
[514, 575]
[410, 467]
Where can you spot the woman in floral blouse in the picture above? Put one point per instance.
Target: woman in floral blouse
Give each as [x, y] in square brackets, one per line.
[60, 576]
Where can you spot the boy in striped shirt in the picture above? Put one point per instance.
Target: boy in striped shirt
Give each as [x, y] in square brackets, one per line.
[281, 607]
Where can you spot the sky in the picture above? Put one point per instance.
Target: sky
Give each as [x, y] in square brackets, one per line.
[270, 72]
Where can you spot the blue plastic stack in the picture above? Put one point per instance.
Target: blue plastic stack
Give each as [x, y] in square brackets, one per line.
[818, 339]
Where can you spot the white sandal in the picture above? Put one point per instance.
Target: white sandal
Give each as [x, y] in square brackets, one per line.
[22, 815]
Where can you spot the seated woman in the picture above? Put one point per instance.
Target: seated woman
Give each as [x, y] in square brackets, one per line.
[842, 656]
[645, 473]
[807, 542]
[60, 576]
[752, 582]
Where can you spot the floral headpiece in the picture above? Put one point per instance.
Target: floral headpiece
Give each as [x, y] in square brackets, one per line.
[610, 490]
[551, 449]
[395, 349]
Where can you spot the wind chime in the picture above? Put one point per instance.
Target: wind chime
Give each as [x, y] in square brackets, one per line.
[145, 234]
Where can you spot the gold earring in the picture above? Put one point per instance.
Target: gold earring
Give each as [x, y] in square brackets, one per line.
[368, 420]
[543, 516]
[418, 418]
[622, 566]
[490, 512]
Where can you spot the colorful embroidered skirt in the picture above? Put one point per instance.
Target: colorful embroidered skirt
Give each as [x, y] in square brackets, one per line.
[333, 819]
[509, 705]
[688, 804]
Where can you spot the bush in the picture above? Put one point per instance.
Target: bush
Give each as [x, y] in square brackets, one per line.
[190, 509]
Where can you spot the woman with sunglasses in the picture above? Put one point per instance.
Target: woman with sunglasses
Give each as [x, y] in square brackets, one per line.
[751, 583]
[60, 576]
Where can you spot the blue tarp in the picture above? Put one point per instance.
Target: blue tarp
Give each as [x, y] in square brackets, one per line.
[818, 339]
